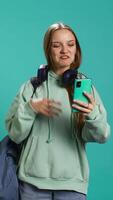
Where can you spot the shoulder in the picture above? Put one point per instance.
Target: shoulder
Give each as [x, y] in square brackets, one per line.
[26, 89]
[26, 86]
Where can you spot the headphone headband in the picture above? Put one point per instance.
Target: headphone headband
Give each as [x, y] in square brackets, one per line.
[68, 76]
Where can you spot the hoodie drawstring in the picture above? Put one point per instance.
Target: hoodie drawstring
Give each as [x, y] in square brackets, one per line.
[50, 139]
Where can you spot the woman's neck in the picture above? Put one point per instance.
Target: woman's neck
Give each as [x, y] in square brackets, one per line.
[60, 71]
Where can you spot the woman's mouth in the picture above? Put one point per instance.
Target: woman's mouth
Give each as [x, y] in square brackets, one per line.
[64, 57]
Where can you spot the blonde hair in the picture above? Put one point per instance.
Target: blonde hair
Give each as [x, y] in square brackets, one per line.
[77, 61]
[47, 44]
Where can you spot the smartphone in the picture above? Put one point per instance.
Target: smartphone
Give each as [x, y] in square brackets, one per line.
[81, 86]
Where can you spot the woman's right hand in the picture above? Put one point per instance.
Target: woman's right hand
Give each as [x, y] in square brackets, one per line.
[46, 107]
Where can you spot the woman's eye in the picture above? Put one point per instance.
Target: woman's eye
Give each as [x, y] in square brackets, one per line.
[58, 45]
[71, 44]
[55, 45]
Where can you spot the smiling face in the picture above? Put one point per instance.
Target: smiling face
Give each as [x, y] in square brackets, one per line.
[62, 50]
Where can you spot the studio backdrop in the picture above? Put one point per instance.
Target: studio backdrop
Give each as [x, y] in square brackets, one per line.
[22, 27]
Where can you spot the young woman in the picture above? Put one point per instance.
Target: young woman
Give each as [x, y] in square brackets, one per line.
[53, 162]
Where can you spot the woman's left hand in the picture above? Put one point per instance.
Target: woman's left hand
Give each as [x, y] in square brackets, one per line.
[85, 108]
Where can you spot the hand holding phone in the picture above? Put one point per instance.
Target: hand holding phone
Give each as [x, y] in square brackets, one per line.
[80, 87]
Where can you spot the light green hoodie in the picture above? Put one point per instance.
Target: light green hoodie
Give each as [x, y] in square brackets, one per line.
[53, 157]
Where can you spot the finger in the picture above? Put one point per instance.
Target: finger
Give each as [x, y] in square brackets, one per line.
[50, 110]
[90, 97]
[81, 103]
[55, 105]
[47, 112]
[81, 109]
[54, 111]
[55, 108]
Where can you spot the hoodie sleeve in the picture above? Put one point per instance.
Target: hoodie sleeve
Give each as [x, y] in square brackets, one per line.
[20, 118]
[96, 128]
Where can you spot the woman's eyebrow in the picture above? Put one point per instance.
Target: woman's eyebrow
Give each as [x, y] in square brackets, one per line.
[60, 42]
[55, 42]
[71, 41]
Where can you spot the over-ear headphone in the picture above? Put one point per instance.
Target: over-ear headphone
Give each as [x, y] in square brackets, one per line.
[67, 77]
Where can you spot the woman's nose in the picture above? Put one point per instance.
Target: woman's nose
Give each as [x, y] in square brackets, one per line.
[64, 49]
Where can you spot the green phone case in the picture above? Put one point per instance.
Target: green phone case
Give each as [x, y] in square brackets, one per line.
[81, 86]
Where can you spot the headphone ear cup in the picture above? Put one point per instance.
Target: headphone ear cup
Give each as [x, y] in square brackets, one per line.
[68, 77]
[42, 74]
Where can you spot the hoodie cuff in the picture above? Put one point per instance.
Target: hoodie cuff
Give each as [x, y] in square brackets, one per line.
[30, 109]
[93, 114]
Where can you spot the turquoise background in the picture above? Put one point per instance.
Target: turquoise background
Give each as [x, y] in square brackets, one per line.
[22, 26]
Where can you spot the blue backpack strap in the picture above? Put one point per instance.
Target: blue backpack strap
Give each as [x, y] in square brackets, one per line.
[42, 74]
[35, 83]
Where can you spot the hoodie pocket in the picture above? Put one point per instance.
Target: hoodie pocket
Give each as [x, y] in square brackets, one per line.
[36, 161]
[30, 154]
